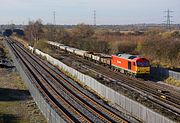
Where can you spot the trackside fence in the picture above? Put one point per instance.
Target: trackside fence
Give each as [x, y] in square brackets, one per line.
[162, 72]
[50, 113]
[134, 108]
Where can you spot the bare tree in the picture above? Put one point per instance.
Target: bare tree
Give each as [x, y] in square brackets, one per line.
[83, 31]
[34, 31]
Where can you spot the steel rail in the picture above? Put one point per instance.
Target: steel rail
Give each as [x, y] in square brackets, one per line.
[41, 80]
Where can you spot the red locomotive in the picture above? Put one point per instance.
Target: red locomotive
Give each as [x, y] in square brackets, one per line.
[130, 64]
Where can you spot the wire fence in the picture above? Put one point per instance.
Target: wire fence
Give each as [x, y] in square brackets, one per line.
[134, 108]
[51, 115]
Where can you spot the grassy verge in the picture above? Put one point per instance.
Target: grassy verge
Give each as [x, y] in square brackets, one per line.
[173, 82]
[16, 103]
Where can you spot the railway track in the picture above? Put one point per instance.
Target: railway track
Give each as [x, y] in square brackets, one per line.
[33, 76]
[73, 102]
[167, 98]
[170, 102]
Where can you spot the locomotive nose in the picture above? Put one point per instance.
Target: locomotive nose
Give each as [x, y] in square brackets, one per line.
[143, 70]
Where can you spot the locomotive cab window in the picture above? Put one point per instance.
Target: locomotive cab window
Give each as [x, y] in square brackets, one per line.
[143, 64]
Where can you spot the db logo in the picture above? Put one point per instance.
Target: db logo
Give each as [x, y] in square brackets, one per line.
[119, 62]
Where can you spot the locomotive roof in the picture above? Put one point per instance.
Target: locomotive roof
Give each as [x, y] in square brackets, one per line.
[127, 56]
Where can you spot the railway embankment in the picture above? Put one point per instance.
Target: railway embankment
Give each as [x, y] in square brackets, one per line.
[110, 94]
[16, 103]
[37, 80]
[165, 76]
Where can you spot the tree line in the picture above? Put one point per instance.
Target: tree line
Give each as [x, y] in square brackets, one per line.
[161, 47]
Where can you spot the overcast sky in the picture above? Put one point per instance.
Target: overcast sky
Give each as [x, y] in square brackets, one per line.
[78, 11]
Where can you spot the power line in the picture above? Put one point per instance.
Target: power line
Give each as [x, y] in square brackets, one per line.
[54, 25]
[54, 18]
[94, 17]
[168, 19]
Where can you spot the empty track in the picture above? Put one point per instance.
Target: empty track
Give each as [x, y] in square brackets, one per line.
[73, 103]
[153, 91]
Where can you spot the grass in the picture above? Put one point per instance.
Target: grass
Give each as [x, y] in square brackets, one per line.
[172, 81]
[13, 79]
[16, 104]
[10, 112]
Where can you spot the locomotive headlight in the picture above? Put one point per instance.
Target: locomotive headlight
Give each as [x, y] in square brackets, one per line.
[143, 70]
[138, 69]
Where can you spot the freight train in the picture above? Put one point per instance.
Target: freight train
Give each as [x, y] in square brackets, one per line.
[132, 65]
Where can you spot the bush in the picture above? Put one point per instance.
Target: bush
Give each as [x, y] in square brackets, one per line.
[172, 81]
[166, 52]
[41, 45]
[126, 47]
[82, 31]
[91, 44]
